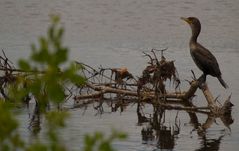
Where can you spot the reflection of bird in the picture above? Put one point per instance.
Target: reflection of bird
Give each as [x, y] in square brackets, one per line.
[202, 57]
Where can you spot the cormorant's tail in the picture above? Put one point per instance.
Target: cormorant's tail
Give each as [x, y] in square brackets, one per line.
[223, 83]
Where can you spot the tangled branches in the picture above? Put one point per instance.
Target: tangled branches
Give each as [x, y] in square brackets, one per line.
[157, 72]
[7, 76]
[118, 87]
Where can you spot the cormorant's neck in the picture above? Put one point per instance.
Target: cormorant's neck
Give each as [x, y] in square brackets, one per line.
[195, 32]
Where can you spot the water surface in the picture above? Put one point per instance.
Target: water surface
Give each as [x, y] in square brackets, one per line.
[113, 33]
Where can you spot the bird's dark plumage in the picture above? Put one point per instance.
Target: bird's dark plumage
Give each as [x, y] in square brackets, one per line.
[202, 57]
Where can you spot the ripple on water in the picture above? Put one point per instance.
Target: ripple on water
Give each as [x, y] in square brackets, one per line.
[114, 33]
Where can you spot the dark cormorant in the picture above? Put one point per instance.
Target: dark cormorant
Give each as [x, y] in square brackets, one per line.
[202, 57]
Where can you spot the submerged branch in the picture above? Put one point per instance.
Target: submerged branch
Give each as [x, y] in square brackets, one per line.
[149, 88]
[120, 85]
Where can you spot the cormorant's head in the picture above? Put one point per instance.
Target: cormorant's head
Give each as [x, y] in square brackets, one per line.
[193, 22]
[195, 26]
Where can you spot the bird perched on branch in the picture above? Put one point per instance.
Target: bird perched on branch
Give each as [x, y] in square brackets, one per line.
[202, 57]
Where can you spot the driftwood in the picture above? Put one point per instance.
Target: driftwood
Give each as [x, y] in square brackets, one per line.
[156, 74]
[118, 88]
[152, 88]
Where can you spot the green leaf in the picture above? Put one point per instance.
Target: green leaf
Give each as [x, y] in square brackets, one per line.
[89, 143]
[24, 65]
[71, 74]
[51, 32]
[78, 80]
[8, 122]
[122, 136]
[37, 147]
[55, 19]
[61, 56]
[55, 92]
[36, 86]
[56, 119]
[105, 146]
[60, 33]
[17, 142]
[42, 55]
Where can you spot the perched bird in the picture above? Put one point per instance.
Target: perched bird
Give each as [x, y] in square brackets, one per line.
[202, 57]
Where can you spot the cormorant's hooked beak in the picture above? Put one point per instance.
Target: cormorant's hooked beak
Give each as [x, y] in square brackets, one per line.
[186, 20]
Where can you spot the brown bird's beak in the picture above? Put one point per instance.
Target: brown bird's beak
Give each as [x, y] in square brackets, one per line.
[186, 20]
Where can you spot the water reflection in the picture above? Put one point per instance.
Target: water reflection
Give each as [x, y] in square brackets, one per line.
[210, 144]
[35, 120]
[158, 133]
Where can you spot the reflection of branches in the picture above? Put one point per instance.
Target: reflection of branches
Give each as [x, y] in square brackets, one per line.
[151, 89]
[34, 125]
[210, 144]
[166, 135]
[202, 127]
[159, 132]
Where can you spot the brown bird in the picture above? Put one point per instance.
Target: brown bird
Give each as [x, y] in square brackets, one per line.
[202, 57]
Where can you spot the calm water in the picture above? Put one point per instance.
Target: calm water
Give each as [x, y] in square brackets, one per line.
[113, 33]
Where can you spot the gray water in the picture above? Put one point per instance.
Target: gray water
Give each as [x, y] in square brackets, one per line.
[113, 33]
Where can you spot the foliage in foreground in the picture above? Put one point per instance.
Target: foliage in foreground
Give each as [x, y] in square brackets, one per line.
[47, 73]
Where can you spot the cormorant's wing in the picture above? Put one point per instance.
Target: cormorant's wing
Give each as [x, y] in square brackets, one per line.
[205, 60]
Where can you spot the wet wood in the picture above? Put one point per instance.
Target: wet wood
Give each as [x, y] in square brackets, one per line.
[149, 88]
[208, 95]
[156, 73]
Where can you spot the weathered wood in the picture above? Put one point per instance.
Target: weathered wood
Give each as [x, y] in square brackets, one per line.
[208, 95]
[156, 73]
[191, 91]
[107, 89]
[147, 97]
